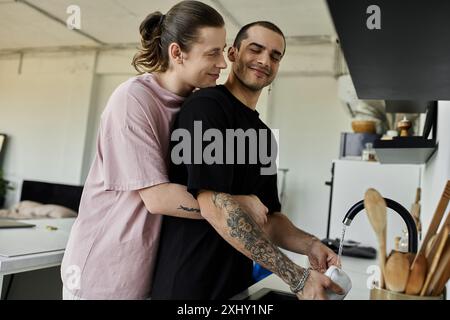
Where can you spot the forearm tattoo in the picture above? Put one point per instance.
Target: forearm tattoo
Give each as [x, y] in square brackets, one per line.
[188, 209]
[245, 229]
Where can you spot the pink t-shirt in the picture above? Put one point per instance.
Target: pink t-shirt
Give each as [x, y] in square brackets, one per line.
[113, 243]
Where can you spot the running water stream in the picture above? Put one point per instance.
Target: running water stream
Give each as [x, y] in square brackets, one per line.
[341, 244]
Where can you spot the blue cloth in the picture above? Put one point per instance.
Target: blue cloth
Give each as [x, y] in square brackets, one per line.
[259, 272]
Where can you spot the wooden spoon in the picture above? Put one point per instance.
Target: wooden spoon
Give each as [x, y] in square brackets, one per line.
[415, 213]
[417, 276]
[396, 271]
[376, 212]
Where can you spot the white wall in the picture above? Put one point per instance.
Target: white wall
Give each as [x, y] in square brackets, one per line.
[43, 109]
[310, 119]
[49, 107]
[437, 170]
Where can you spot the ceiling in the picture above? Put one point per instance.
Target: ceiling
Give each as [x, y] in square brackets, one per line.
[28, 24]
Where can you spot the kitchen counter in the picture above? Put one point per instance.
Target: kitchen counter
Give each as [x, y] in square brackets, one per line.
[356, 269]
[34, 248]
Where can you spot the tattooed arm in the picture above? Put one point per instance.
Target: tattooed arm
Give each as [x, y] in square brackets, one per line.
[172, 199]
[287, 236]
[241, 231]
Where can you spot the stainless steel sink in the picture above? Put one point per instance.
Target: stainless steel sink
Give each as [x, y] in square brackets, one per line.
[266, 294]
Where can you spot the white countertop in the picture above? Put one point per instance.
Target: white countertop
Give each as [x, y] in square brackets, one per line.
[33, 248]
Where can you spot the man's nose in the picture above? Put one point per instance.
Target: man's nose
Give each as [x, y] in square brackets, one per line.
[264, 59]
[222, 63]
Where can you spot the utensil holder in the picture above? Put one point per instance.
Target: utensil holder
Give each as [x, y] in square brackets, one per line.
[383, 294]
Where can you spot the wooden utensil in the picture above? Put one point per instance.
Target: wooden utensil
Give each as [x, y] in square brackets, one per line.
[415, 212]
[437, 217]
[429, 245]
[417, 276]
[434, 246]
[436, 257]
[442, 274]
[396, 271]
[376, 212]
[411, 257]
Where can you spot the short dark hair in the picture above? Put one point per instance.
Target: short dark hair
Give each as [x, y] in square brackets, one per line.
[180, 25]
[242, 34]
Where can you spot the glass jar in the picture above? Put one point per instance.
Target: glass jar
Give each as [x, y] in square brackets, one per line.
[368, 154]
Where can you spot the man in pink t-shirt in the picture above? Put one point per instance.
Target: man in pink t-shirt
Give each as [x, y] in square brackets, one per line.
[113, 242]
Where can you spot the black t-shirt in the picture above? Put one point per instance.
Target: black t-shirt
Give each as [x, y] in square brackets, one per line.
[194, 261]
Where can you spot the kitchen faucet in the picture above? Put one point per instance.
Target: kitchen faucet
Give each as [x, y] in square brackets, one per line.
[397, 207]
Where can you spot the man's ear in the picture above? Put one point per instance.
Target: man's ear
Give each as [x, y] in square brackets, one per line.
[232, 51]
[175, 53]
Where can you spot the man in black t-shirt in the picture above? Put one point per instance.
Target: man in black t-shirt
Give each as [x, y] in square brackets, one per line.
[212, 258]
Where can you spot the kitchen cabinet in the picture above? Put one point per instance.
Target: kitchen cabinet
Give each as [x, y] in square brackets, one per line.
[406, 57]
[352, 179]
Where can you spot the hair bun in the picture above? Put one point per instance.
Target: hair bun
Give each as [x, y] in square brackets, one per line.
[151, 25]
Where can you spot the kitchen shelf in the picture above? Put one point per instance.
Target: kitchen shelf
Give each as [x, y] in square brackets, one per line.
[408, 106]
[405, 150]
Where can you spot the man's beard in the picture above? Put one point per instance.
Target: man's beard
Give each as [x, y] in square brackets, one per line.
[250, 86]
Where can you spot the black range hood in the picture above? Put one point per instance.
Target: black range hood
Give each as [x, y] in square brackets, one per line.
[407, 58]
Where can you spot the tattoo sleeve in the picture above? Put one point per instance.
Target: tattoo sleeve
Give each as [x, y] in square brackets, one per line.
[188, 209]
[257, 246]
